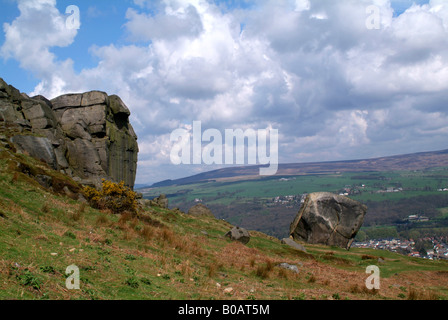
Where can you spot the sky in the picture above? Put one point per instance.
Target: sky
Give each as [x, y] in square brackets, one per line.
[337, 79]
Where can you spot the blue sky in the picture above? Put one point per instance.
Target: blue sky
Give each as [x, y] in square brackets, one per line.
[103, 25]
[310, 68]
[401, 6]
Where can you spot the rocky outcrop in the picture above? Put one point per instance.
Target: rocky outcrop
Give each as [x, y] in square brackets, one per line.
[329, 219]
[200, 210]
[160, 201]
[86, 136]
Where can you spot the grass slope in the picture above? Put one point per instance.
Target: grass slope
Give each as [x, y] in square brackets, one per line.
[167, 254]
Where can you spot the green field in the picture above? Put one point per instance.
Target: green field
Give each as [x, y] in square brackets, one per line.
[390, 196]
[413, 183]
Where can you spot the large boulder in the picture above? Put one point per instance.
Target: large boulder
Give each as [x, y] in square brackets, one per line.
[238, 234]
[86, 135]
[328, 219]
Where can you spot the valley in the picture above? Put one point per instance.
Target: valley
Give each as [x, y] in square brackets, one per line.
[269, 204]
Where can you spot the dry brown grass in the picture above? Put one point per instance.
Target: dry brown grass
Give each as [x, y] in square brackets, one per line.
[147, 219]
[357, 289]
[147, 233]
[283, 274]
[15, 177]
[41, 237]
[127, 234]
[167, 236]
[102, 220]
[46, 207]
[421, 294]
[252, 262]
[125, 217]
[236, 254]
[186, 268]
[78, 215]
[312, 279]
[134, 223]
[213, 268]
[264, 271]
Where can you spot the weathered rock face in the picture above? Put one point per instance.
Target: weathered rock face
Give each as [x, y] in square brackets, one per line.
[87, 136]
[329, 219]
[200, 210]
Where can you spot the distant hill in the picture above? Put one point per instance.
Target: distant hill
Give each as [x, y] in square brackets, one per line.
[414, 161]
[141, 186]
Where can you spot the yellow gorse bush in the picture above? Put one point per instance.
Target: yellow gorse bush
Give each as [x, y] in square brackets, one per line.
[113, 196]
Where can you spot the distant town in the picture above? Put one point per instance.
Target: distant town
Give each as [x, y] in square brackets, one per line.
[437, 251]
[435, 248]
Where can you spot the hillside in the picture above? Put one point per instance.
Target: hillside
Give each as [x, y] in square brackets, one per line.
[415, 161]
[270, 204]
[164, 254]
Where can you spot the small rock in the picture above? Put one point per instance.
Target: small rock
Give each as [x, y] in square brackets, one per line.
[44, 180]
[228, 290]
[218, 285]
[72, 250]
[290, 242]
[54, 254]
[288, 266]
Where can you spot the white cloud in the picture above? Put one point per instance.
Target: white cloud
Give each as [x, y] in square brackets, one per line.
[302, 5]
[29, 38]
[170, 25]
[333, 88]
